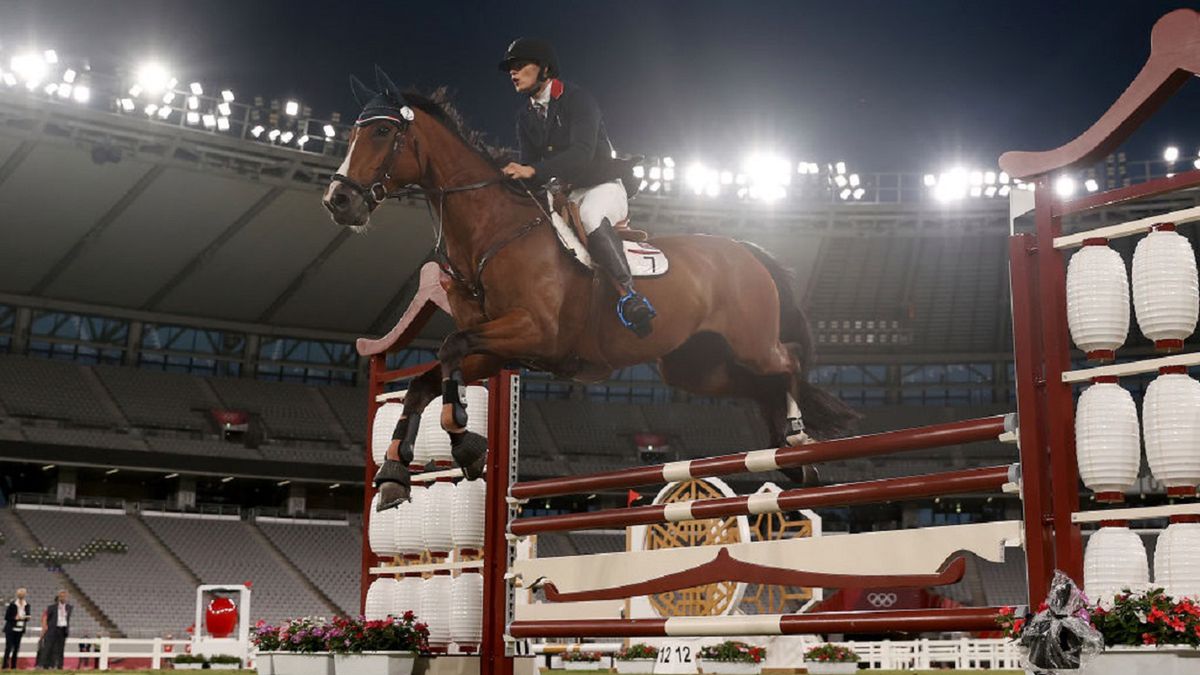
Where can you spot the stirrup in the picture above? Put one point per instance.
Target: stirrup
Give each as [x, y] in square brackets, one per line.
[641, 328]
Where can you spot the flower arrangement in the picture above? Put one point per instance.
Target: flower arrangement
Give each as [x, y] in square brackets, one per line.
[343, 635]
[639, 650]
[1149, 618]
[733, 651]
[581, 657]
[831, 653]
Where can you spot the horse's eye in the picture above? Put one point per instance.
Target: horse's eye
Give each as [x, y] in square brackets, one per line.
[383, 130]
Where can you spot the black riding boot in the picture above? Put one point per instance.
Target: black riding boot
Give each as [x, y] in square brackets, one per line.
[634, 310]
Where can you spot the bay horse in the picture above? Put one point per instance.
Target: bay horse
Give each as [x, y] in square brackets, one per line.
[728, 322]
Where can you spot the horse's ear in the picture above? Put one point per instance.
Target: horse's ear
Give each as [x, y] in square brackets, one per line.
[362, 93]
[385, 84]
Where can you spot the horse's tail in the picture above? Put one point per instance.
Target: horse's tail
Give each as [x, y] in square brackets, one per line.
[824, 414]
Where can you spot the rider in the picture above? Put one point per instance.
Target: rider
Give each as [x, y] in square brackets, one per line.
[561, 136]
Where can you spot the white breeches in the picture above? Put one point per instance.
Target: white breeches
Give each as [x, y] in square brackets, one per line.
[606, 200]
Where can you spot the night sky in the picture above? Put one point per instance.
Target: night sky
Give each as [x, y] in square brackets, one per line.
[887, 86]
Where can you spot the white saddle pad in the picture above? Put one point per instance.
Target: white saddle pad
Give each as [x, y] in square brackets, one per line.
[644, 260]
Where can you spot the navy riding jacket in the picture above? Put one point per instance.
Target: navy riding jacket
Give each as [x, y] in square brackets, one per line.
[571, 144]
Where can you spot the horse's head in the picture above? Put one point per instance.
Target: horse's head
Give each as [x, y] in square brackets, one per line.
[381, 157]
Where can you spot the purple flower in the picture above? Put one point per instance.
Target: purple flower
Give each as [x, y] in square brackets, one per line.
[296, 640]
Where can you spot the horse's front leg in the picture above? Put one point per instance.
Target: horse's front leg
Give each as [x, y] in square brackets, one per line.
[393, 479]
[512, 335]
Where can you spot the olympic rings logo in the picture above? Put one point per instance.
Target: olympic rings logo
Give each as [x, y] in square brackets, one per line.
[881, 600]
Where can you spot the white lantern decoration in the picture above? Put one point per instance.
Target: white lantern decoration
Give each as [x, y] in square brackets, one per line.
[433, 443]
[435, 610]
[1166, 289]
[1171, 412]
[383, 428]
[1177, 560]
[1107, 440]
[466, 520]
[1115, 560]
[410, 535]
[437, 511]
[381, 527]
[466, 611]
[379, 598]
[407, 596]
[1097, 299]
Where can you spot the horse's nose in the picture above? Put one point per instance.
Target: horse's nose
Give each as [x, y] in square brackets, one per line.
[338, 201]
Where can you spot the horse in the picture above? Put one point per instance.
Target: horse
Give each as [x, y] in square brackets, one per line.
[728, 321]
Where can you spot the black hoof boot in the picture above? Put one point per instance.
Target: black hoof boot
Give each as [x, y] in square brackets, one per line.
[454, 403]
[470, 452]
[806, 476]
[394, 484]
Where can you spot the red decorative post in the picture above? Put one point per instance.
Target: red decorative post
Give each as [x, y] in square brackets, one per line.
[497, 607]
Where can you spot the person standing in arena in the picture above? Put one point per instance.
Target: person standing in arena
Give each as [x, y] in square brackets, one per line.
[561, 136]
[56, 625]
[16, 617]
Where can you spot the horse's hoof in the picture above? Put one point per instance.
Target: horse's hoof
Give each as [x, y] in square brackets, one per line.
[470, 453]
[806, 476]
[392, 495]
[801, 438]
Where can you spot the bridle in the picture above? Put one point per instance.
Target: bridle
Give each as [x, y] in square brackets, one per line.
[377, 192]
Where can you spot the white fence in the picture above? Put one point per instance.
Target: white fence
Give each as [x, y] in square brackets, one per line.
[105, 650]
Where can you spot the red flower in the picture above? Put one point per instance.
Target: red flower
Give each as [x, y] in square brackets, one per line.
[1149, 639]
[1156, 614]
[1017, 626]
[408, 616]
[1006, 611]
[1043, 607]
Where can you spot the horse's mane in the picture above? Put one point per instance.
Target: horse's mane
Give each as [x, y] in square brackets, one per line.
[439, 106]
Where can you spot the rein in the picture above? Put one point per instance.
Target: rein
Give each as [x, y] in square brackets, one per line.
[377, 193]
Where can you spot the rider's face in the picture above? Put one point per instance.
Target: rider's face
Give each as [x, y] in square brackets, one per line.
[524, 76]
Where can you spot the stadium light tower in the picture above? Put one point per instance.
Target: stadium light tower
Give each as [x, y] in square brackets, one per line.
[153, 78]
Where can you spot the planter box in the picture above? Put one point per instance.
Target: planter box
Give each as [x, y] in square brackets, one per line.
[373, 663]
[819, 668]
[291, 663]
[730, 667]
[189, 666]
[630, 666]
[582, 665]
[263, 663]
[1168, 660]
[224, 666]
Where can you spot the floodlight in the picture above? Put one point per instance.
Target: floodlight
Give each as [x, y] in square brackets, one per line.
[1004, 190]
[696, 177]
[1004, 178]
[257, 130]
[655, 186]
[209, 120]
[135, 90]
[196, 89]
[193, 117]
[854, 180]
[668, 162]
[642, 186]
[990, 177]
[330, 132]
[976, 191]
[712, 190]
[1171, 154]
[29, 67]
[51, 88]
[841, 167]
[193, 102]
[669, 173]
[286, 137]
[639, 171]
[655, 173]
[154, 78]
[169, 97]
[64, 90]
[164, 112]
[976, 178]
[51, 56]
[69, 76]
[1065, 186]
[726, 178]
[291, 108]
[127, 104]
[227, 96]
[858, 194]
[930, 180]
[1091, 185]
[1195, 163]
[82, 94]
[302, 140]
[10, 79]
[222, 124]
[150, 109]
[952, 185]
[224, 109]
[840, 180]
[990, 191]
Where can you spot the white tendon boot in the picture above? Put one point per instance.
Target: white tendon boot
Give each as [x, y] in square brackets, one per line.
[795, 434]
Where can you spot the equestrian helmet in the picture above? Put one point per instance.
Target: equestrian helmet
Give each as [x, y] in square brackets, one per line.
[531, 49]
